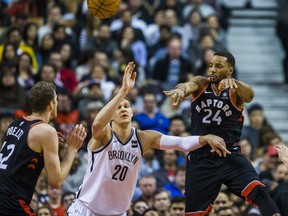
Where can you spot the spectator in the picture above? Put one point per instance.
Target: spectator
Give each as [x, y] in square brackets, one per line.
[166, 174]
[161, 202]
[25, 72]
[148, 186]
[257, 121]
[48, 73]
[67, 116]
[149, 163]
[102, 42]
[128, 40]
[174, 67]
[45, 211]
[98, 74]
[54, 202]
[246, 149]
[10, 55]
[67, 55]
[222, 200]
[34, 202]
[65, 77]
[206, 58]
[204, 9]
[192, 28]
[139, 206]
[91, 92]
[42, 189]
[224, 211]
[153, 29]
[279, 192]
[125, 19]
[150, 212]
[66, 199]
[30, 36]
[177, 125]
[12, 95]
[177, 187]
[54, 16]
[177, 207]
[14, 36]
[76, 175]
[151, 118]
[267, 162]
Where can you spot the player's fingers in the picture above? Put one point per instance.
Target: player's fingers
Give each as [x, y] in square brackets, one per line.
[167, 93]
[218, 152]
[178, 99]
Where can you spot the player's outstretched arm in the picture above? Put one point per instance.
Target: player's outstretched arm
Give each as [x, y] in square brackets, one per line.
[283, 153]
[183, 90]
[99, 126]
[157, 140]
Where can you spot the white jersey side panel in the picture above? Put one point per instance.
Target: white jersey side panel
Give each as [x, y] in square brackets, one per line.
[111, 176]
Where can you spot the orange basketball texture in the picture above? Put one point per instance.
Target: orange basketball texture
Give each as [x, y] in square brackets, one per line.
[103, 8]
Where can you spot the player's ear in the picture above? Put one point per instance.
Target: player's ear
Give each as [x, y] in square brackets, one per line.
[230, 70]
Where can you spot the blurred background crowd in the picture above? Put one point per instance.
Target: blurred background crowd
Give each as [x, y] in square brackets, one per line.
[59, 41]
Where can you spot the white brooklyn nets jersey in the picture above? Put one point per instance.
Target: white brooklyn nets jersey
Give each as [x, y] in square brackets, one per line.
[111, 176]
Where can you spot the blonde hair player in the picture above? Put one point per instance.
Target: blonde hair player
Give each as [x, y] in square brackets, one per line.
[115, 155]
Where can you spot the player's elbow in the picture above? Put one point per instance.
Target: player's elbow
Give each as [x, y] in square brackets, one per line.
[97, 130]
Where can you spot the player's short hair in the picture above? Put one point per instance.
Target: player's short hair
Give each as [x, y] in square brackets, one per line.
[40, 96]
[228, 55]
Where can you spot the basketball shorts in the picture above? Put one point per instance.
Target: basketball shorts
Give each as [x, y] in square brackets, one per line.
[11, 205]
[206, 172]
[77, 208]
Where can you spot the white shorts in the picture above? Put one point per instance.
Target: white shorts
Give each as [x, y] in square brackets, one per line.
[77, 208]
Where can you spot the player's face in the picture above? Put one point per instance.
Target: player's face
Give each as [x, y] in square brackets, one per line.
[219, 69]
[123, 113]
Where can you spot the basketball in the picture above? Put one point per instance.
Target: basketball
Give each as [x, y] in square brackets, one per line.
[103, 8]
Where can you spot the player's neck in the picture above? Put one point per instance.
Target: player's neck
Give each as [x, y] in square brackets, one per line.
[43, 117]
[123, 131]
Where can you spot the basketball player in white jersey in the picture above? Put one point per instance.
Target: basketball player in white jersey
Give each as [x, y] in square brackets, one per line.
[115, 155]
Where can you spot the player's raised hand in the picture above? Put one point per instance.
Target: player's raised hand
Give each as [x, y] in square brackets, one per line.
[76, 137]
[176, 95]
[129, 77]
[217, 144]
[228, 82]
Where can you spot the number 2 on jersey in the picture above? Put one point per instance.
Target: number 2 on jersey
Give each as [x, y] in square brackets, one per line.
[10, 148]
[215, 118]
[120, 172]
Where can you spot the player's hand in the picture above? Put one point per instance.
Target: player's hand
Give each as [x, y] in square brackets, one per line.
[76, 137]
[129, 77]
[176, 95]
[282, 152]
[217, 144]
[228, 82]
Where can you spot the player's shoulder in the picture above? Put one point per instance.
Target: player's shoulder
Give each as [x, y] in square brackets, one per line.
[42, 129]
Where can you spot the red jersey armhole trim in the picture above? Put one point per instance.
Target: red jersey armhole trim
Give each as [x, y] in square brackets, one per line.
[231, 96]
[201, 91]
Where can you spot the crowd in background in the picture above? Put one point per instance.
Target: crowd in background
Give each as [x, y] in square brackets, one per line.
[59, 41]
